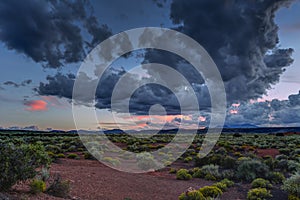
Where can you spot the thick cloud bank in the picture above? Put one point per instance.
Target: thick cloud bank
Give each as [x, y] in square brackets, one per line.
[275, 112]
[241, 37]
[50, 32]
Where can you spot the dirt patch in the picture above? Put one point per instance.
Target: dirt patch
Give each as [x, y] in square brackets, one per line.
[91, 180]
[291, 133]
[267, 152]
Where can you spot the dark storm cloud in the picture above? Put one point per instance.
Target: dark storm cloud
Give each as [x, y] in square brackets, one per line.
[49, 32]
[62, 86]
[151, 94]
[14, 84]
[242, 38]
[59, 85]
[142, 99]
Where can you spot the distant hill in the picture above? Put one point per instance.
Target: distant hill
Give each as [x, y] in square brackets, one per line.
[240, 126]
[245, 128]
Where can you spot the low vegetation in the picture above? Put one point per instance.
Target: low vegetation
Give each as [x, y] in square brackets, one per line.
[235, 159]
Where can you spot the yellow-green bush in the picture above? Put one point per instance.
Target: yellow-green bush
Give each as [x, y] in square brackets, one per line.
[227, 182]
[37, 186]
[276, 177]
[293, 197]
[221, 186]
[183, 174]
[191, 195]
[258, 194]
[211, 191]
[261, 183]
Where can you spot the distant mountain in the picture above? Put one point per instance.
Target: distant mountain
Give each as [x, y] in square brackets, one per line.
[240, 126]
[114, 131]
[233, 128]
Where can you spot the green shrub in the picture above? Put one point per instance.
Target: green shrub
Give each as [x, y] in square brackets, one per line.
[210, 159]
[200, 161]
[268, 160]
[228, 174]
[276, 177]
[211, 170]
[258, 194]
[227, 182]
[293, 197]
[191, 195]
[215, 159]
[87, 155]
[58, 187]
[221, 186]
[228, 162]
[221, 151]
[284, 151]
[53, 148]
[19, 163]
[296, 152]
[51, 154]
[293, 166]
[37, 186]
[60, 155]
[172, 171]
[198, 173]
[250, 169]
[243, 159]
[238, 154]
[183, 174]
[261, 183]
[188, 159]
[72, 148]
[281, 157]
[210, 177]
[211, 191]
[113, 161]
[237, 135]
[292, 185]
[73, 156]
[146, 161]
[282, 164]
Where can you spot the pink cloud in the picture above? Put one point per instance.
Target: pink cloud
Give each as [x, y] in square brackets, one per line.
[259, 100]
[233, 111]
[236, 104]
[36, 105]
[166, 118]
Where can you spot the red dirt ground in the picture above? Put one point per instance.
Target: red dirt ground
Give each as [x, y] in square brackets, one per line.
[265, 152]
[91, 180]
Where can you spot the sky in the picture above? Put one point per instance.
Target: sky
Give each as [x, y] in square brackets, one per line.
[255, 45]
